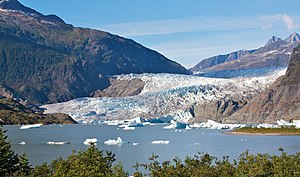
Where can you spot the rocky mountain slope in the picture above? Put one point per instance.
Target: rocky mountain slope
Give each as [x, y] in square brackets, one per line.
[13, 112]
[280, 101]
[121, 88]
[45, 60]
[275, 53]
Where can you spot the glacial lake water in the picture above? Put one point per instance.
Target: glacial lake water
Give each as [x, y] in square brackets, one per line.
[182, 144]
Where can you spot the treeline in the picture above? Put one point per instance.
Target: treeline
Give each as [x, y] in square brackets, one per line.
[94, 162]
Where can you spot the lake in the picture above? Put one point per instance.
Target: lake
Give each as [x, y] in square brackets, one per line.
[182, 144]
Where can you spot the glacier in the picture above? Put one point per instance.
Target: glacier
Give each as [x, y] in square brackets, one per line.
[165, 97]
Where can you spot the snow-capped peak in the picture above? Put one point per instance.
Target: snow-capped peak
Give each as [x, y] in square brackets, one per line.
[273, 39]
[295, 37]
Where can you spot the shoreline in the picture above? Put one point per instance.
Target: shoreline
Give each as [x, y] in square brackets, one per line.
[232, 132]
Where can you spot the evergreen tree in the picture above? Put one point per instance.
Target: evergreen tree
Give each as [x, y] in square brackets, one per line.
[24, 166]
[9, 161]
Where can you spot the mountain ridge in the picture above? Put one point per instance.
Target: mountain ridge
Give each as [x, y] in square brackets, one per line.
[65, 62]
[275, 53]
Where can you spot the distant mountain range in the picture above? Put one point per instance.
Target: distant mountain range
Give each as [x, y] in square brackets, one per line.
[45, 60]
[275, 53]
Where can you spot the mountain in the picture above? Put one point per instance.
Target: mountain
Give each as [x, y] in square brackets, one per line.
[212, 61]
[280, 101]
[275, 53]
[45, 60]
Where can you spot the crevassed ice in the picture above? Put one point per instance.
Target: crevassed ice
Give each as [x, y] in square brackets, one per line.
[164, 94]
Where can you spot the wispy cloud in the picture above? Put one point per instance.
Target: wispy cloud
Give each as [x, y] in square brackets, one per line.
[279, 19]
[193, 24]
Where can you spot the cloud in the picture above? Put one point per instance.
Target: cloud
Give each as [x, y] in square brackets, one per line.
[277, 20]
[192, 24]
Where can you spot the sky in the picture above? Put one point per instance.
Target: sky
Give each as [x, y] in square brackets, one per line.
[186, 31]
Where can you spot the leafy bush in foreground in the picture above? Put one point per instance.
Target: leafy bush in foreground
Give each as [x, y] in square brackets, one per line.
[204, 165]
[91, 162]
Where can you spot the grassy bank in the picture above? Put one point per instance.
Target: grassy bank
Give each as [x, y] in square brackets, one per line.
[268, 131]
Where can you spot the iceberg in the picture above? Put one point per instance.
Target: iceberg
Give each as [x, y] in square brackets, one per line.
[171, 126]
[210, 124]
[135, 122]
[58, 143]
[266, 125]
[90, 141]
[135, 144]
[177, 125]
[112, 123]
[160, 142]
[282, 122]
[296, 123]
[24, 127]
[187, 127]
[118, 141]
[129, 128]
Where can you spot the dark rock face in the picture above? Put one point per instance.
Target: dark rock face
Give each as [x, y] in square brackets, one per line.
[280, 101]
[217, 110]
[121, 88]
[45, 60]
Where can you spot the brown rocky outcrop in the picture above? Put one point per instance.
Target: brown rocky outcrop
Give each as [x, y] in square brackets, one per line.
[280, 101]
[217, 110]
[121, 88]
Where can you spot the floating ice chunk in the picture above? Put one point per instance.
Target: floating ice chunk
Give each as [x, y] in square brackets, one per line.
[147, 123]
[187, 127]
[113, 123]
[24, 127]
[160, 142]
[58, 143]
[90, 141]
[118, 141]
[296, 123]
[215, 125]
[135, 144]
[266, 125]
[22, 143]
[171, 126]
[282, 122]
[129, 128]
[123, 125]
[197, 125]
